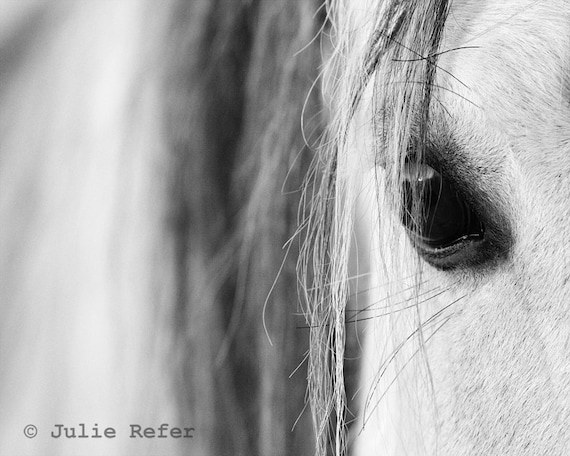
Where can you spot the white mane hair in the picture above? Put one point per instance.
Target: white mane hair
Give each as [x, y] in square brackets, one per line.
[363, 36]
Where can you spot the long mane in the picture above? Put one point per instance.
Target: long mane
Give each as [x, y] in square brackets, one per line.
[382, 69]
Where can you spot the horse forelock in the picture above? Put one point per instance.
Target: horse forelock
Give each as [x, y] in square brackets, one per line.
[384, 54]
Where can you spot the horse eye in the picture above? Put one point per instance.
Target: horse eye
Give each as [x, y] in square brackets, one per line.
[436, 215]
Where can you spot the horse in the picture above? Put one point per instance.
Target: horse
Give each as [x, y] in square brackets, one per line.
[271, 227]
[449, 180]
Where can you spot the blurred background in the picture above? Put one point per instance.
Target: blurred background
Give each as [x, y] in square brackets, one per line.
[152, 155]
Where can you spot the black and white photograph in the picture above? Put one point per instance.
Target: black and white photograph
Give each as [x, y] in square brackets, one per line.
[284, 228]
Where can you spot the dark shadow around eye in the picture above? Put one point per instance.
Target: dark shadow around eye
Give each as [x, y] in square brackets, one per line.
[437, 217]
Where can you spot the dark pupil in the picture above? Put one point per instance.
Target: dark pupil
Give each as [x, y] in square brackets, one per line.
[435, 214]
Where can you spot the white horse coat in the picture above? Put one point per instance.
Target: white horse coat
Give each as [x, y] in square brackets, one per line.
[490, 374]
